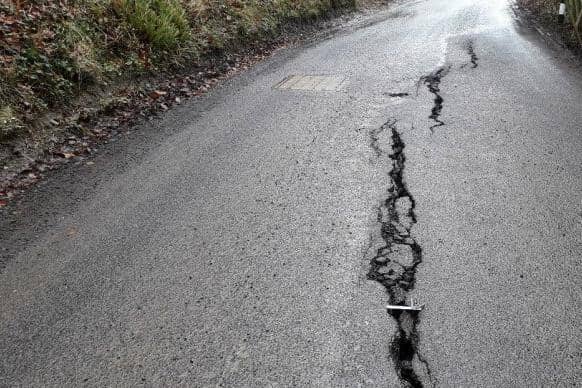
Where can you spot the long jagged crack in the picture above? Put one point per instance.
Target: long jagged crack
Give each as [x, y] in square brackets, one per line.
[433, 82]
[395, 263]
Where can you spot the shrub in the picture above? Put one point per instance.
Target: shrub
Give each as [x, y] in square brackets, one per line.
[47, 76]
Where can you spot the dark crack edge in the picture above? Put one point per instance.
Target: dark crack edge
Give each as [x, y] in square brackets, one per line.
[474, 59]
[405, 343]
[433, 83]
[472, 54]
[398, 94]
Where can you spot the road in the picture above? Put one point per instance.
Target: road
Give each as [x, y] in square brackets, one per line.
[255, 236]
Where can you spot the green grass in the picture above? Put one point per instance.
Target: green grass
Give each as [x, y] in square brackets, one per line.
[162, 23]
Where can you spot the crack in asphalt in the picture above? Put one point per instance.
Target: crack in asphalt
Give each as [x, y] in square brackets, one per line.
[433, 82]
[394, 264]
[471, 51]
[474, 59]
[375, 139]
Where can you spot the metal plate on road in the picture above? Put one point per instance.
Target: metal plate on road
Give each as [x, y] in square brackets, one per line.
[312, 82]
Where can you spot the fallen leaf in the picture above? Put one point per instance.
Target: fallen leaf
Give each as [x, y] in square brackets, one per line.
[66, 155]
[157, 94]
[71, 232]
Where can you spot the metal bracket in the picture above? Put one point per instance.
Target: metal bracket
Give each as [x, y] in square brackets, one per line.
[412, 307]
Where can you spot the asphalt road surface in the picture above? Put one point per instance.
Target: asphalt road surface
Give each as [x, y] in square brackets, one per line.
[254, 237]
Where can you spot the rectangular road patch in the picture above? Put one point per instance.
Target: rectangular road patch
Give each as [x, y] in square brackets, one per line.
[327, 83]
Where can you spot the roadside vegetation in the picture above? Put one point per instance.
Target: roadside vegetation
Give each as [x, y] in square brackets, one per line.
[547, 11]
[575, 17]
[53, 51]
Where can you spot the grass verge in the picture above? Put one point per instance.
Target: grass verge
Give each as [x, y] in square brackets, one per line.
[65, 65]
[52, 51]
